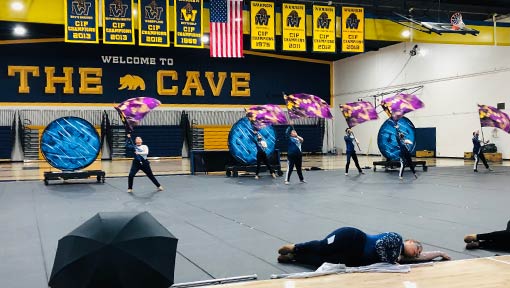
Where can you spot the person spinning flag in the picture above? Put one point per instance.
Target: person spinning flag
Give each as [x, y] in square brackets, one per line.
[350, 151]
[478, 151]
[405, 154]
[140, 162]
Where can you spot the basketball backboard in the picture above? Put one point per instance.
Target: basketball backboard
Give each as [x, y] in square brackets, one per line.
[436, 27]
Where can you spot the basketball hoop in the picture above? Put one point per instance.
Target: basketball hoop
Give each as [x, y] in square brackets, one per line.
[457, 22]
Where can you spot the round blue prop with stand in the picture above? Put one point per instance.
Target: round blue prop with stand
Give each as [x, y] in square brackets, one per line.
[70, 143]
[387, 137]
[242, 141]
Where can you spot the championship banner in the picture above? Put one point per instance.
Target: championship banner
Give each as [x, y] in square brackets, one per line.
[262, 25]
[353, 29]
[153, 17]
[294, 28]
[188, 23]
[324, 34]
[118, 22]
[81, 21]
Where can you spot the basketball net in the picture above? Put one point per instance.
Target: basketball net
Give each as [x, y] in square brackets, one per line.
[456, 21]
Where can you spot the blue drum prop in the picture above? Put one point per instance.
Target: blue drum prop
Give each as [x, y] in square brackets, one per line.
[387, 137]
[241, 142]
[70, 144]
[387, 143]
[243, 148]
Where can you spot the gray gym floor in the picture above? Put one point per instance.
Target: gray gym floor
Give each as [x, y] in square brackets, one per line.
[234, 226]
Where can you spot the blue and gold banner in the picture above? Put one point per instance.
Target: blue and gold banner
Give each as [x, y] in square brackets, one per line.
[293, 27]
[324, 34]
[153, 20]
[262, 25]
[189, 27]
[353, 29]
[95, 74]
[81, 21]
[118, 22]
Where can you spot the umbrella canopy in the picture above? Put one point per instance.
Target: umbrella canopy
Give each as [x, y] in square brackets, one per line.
[306, 105]
[358, 112]
[401, 104]
[493, 117]
[264, 115]
[133, 110]
[121, 249]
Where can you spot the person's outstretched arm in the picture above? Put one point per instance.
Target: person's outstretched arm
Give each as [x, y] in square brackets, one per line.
[424, 256]
[129, 142]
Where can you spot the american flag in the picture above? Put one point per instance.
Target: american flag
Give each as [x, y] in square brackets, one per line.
[226, 38]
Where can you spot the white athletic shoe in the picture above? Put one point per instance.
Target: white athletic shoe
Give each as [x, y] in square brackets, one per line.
[286, 182]
[130, 191]
[160, 188]
[346, 174]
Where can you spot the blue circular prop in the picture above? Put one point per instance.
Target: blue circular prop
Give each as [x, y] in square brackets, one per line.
[387, 141]
[241, 141]
[70, 143]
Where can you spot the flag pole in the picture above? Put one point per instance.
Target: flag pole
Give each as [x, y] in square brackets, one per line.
[288, 115]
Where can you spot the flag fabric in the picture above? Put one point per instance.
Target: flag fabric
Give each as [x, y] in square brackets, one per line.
[401, 104]
[493, 117]
[306, 105]
[358, 112]
[264, 115]
[133, 110]
[226, 35]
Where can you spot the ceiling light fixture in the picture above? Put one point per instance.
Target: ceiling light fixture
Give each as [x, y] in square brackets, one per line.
[19, 30]
[17, 6]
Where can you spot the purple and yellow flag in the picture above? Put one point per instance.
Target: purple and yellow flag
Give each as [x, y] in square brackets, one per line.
[401, 104]
[358, 112]
[133, 110]
[306, 105]
[492, 117]
[263, 115]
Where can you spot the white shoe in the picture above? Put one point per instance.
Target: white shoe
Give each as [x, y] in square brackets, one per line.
[286, 182]
[257, 177]
[346, 174]
[160, 188]
[303, 181]
[130, 191]
[401, 178]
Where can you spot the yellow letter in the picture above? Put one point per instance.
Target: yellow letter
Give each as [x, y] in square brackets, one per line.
[67, 80]
[216, 89]
[161, 77]
[193, 82]
[23, 76]
[85, 81]
[236, 84]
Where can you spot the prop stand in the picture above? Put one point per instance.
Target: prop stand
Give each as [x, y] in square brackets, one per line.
[395, 164]
[66, 175]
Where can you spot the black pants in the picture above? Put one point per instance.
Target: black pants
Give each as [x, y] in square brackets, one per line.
[294, 160]
[344, 245]
[145, 167]
[406, 160]
[498, 240]
[262, 157]
[354, 158]
[479, 157]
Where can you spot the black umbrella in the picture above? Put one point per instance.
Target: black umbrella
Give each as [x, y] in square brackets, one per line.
[121, 249]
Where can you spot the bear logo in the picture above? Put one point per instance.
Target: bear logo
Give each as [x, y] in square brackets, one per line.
[131, 82]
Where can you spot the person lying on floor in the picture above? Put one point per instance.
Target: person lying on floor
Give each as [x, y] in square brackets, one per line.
[353, 247]
[497, 240]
